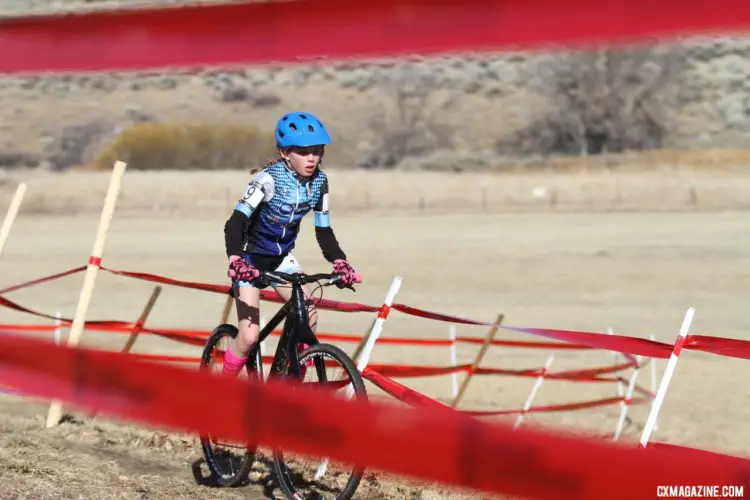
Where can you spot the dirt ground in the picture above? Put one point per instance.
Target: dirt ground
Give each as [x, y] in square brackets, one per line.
[634, 272]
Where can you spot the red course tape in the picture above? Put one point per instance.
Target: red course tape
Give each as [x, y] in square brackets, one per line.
[424, 442]
[429, 441]
[629, 346]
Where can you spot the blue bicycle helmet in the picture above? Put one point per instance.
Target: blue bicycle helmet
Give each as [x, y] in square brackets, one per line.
[300, 129]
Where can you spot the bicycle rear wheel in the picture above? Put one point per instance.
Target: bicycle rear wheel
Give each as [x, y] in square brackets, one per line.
[296, 474]
[226, 468]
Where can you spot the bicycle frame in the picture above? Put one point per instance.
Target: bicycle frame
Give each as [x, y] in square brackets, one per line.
[296, 330]
[285, 365]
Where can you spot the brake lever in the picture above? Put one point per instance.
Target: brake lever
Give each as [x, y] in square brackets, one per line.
[342, 286]
[267, 279]
[337, 282]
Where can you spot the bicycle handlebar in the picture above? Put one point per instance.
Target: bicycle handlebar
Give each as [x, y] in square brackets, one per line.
[302, 279]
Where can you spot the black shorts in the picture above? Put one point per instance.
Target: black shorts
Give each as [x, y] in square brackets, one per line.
[263, 263]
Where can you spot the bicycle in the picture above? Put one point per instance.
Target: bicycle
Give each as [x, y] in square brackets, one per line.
[287, 362]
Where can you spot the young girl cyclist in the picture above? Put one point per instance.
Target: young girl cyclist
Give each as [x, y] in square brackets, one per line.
[260, 233]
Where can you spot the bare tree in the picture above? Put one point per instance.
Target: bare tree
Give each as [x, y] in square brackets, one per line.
[606, 100]
[409, 122]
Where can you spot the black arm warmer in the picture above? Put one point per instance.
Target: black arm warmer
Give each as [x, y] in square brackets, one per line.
[234, 233]
[328, 244]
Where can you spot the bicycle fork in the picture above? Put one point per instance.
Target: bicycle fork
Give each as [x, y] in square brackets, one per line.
[296, 330]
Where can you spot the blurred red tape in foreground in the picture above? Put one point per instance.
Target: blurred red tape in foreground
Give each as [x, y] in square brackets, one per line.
[259, 32]
[428, 443]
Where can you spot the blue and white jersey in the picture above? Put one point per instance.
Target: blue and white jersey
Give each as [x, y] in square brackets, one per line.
[275, 202]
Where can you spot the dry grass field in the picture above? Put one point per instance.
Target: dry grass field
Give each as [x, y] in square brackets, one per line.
[587, 268]
[656, 181]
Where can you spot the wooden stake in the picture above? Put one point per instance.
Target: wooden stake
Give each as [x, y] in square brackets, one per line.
[142, 319]
[478, 360]
[227, 310]
[137, 328]
[76, 329]
[10, 215]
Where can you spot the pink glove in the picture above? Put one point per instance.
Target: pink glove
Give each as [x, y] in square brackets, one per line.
[239, 270]
[350, 275]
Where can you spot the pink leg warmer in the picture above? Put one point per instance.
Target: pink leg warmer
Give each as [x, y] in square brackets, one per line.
[232, 364]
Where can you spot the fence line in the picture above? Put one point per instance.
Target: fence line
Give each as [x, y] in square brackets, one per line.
[598, 195]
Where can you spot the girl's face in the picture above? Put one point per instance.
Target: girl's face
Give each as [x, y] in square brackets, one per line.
[304, 161]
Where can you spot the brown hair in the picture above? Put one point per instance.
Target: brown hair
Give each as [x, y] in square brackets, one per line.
[255, 170]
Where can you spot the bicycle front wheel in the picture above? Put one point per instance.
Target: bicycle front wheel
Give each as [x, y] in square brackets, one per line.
[300, 476]
[228, 467]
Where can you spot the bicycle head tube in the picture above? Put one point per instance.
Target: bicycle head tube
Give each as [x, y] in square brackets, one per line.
[298, 302]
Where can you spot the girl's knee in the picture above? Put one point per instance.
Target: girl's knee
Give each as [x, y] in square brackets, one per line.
[249, 331]
[250, 340]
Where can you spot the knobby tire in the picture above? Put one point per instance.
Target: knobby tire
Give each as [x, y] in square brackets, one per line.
[254, 369]
[360, 393]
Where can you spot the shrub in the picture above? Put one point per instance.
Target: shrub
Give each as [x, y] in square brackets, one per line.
[603, 101]
[154, 146]
[75, 143]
